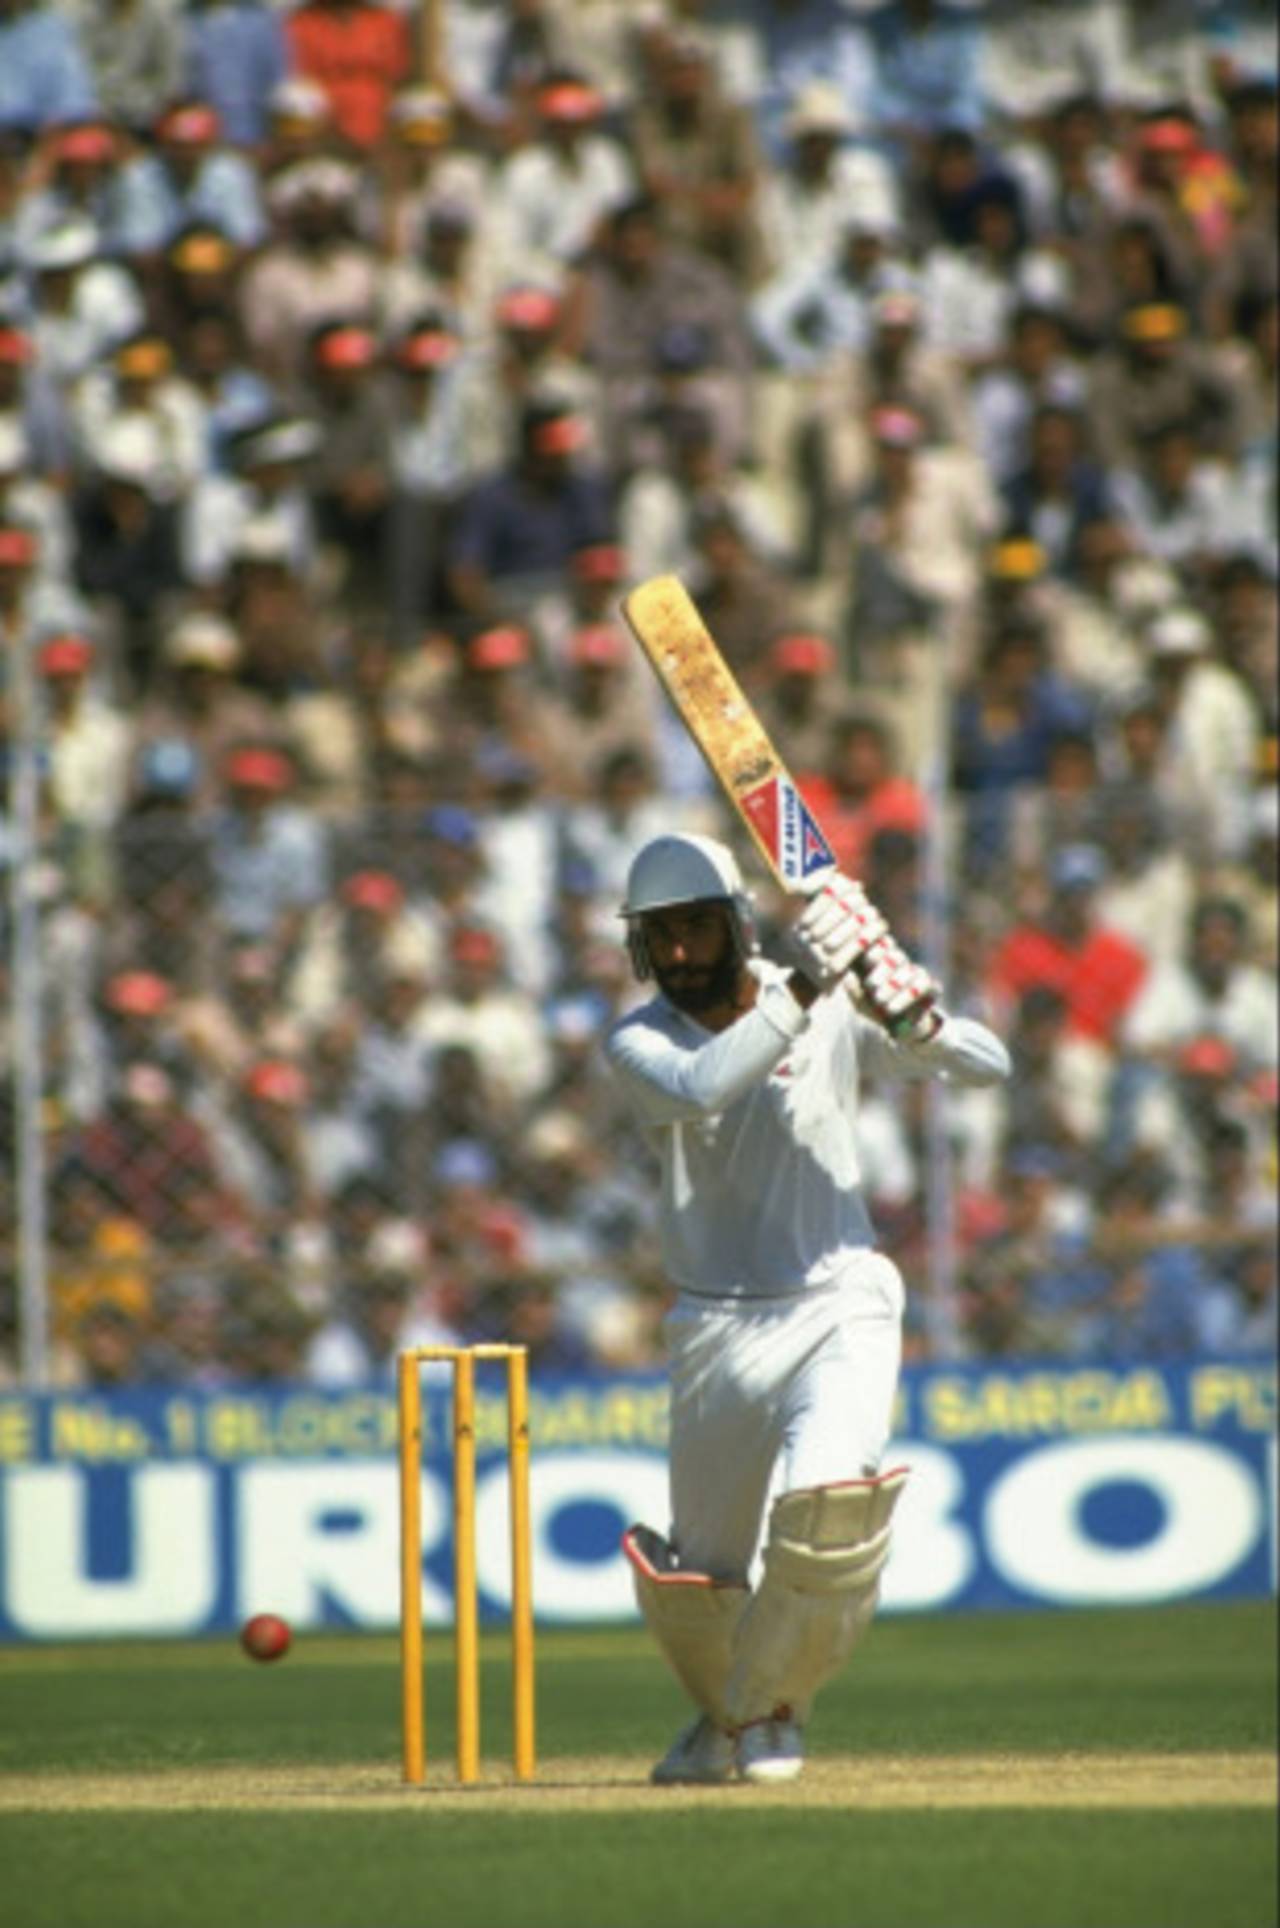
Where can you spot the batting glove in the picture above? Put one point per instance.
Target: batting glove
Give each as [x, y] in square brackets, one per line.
[836, 928]
[900, 994]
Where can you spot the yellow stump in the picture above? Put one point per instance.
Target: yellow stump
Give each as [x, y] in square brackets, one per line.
[412, 1691]
[523, 1744]
[465, 1606]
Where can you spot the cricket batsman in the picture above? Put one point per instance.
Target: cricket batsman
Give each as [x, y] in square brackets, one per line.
[785, 1335]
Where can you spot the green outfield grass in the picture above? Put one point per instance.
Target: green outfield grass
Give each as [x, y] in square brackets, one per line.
[229, 1757]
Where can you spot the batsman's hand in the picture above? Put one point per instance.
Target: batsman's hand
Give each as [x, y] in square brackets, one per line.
[837, 927]
[900, 994]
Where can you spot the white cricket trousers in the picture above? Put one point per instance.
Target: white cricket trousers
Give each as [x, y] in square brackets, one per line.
[768, 1395]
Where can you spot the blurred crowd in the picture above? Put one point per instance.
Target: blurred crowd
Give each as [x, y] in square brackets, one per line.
[353, 360]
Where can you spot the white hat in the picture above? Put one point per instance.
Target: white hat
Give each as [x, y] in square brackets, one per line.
[299, 99]
[324, 180]
[263, 538]
[14, 447]
[203, 639]
[128, 448]
[1179, 632]
[286, 438]
[819, 108]
[66, 244]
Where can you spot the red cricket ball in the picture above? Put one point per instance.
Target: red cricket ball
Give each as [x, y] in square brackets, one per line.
[265, 1636]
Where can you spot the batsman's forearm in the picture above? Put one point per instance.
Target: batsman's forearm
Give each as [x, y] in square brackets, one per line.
[668, 1085]
[964, 1052]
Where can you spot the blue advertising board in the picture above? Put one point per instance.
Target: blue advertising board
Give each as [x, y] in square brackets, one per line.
[167, 1511]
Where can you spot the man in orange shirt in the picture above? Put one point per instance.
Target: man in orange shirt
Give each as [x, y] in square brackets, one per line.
[360, 54]
[1095, 970]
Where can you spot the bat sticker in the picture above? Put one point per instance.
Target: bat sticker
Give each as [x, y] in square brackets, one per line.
[783, 821]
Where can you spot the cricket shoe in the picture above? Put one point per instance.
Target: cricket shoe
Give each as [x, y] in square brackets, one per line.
[702, 1756]
[769, 1751]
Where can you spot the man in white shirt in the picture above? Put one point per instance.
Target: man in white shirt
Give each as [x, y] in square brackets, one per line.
[785, 1336]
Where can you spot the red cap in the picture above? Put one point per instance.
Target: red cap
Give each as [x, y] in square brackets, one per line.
[258, 769]
[88, 143]
[277, 1081]
[1207, 1057]
[427, 348]
[801, 654]
[470, 944]
[64, 656]
[597, 643]
[194, 125]
[527, 308]
[898, 428]
[1169, 135]
[499, 648]
[559, 435]
[347, 348]
[373, 890]
[569, 101]
[15, 346]
[138, 993]
[17, 547]
[599, 562]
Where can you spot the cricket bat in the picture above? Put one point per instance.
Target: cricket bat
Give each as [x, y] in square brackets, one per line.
[664, 620]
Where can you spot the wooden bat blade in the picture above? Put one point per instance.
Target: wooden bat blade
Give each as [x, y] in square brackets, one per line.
[664, 620]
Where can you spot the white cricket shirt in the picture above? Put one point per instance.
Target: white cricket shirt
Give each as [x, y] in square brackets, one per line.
[755, 1127]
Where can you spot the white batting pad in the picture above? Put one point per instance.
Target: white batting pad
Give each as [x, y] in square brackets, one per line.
[692, 1617]
[822, 1563]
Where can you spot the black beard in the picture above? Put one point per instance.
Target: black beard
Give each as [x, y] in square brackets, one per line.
[717, 985]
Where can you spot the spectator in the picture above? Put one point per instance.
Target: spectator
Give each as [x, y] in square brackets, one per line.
[479, 1007]
[359, 54]
[927, 71]
[800, 698]
[1060, 491]
[88, 738]
[971, 290]
[30, 503]
[127, 552]
[791, 48]
[518, 528]
[74, 177]
[697, 156]
[153, 1159]
[134, 52]
[1155, 376]
[1213, 991]
[636, 287]
[351, 944]
[314, 271]
[45, 80]
[861, 791]
[140, 387]
[1004, 727]
[827, 182]
[425, 166]
[1213, 725]
[268, 854]
[264, 497]
[521, 360]
[1061, 944]
[350, 477]
[235, 58]
[188, 177]
[556, 191]
[82, 304]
